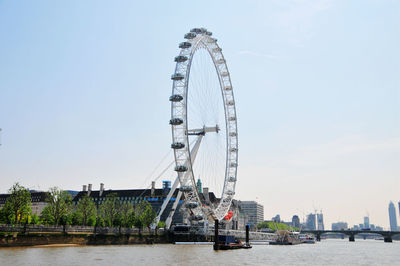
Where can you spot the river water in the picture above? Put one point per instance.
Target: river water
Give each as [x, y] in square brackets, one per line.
[326, 252]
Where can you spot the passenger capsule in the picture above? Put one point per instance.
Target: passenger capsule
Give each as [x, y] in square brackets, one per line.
[230, 102]
[211, 40]
[228, 88]
[185, 188]
[175, 121]
[185, 45]
[190, 35]
[176, 98]
[230, 192]
[180, 168]
[233, 164]
[232, 179]
[209, 33]
[191, 204]
[233, 149]
[232, 134]
[177, 145]
[197, 217]
[216, 50]
[196, 30]
[232, 118]
[180, 58]
[224, 74]
[177, 76]
[221, 61]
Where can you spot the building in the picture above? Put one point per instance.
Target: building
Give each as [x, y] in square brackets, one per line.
[254, 212]
[276, 218]
[296, 221]
[154, 196]
[320, 221]
[341, 226]
[310, 222]
[38, 201]
[366, 222]
[134, 196]
[392, 217]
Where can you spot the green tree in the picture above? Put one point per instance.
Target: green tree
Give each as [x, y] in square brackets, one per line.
[18, 206]
[126, 212]
[58, 208]
[85, 210]
[145, 215]
[109, 210]
[35, 219]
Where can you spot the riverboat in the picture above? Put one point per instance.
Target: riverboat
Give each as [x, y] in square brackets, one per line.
[286, 238]
[307, 238]
[226, 242]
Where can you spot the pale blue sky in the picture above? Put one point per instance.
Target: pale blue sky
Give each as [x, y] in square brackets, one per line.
[84, 89]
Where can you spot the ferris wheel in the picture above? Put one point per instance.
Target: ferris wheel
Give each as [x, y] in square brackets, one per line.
[204, 126]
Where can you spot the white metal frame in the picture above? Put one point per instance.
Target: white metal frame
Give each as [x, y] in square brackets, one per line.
[201, 39]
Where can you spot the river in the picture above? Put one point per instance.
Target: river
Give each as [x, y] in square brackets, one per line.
[326, 252]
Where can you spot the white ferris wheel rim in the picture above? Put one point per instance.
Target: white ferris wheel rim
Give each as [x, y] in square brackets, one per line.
[199, 38]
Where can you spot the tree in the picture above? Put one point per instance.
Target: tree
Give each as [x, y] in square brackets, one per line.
[58, 208]
[145, 215]
[18, 206]
[126, 212]
[109, 210]
[85, 211]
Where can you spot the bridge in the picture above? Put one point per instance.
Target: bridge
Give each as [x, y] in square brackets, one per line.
[387, 235]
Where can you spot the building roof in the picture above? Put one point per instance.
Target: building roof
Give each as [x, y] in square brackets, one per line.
[36, 196]
[126, 193]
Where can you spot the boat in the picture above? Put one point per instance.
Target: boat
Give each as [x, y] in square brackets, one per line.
[307, 238]
[286, 238]
[226, 242]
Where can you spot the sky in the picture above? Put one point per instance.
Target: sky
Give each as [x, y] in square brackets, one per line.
[84, 89]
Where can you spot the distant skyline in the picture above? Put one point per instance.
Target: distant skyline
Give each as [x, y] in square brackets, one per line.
[84, 89]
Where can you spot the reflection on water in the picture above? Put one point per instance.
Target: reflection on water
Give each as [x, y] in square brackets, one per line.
[327, 252]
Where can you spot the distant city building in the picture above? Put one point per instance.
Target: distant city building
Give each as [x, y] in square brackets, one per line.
[392, 217]
[276, 218]
[296, 221]
[366, 222]
[340, 226]
[310, 222]
[38, 201]
[320, 221]
[199, 186]
[254, 212]
[378, 228]
[356, 227]
[372, 227]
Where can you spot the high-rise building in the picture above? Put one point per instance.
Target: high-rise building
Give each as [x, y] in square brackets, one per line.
[320, 221]
[199, 186]
[310, 222]
[366, 222]
[392, 217]
[276, 218]
[296, 221]
[340, 226]
[253, 210]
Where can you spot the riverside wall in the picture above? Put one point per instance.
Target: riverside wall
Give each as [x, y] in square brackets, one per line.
[14, 236]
